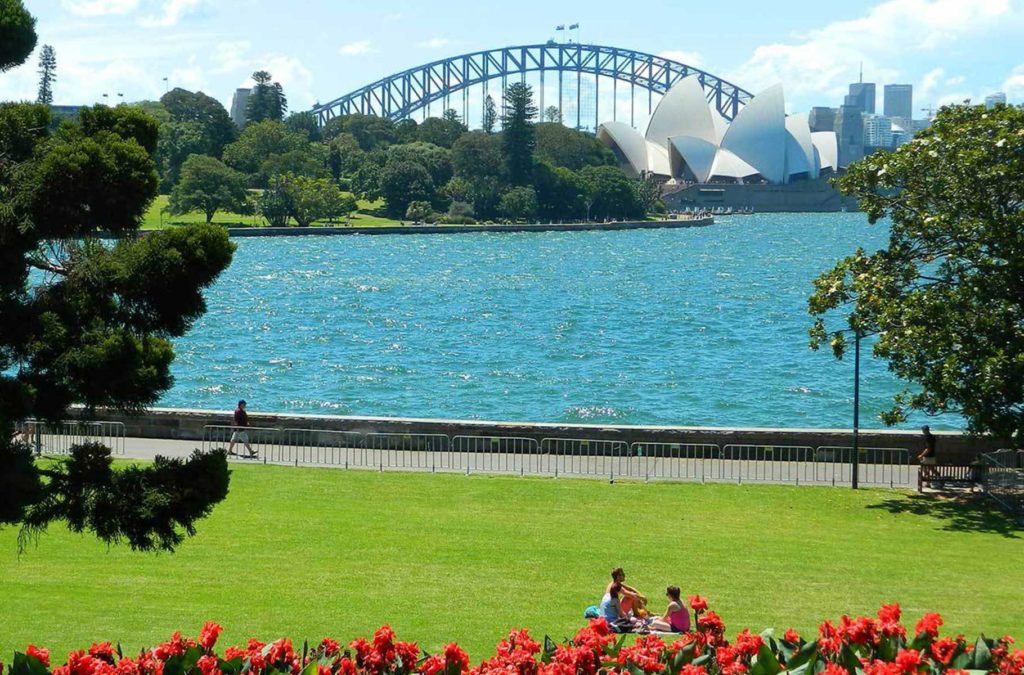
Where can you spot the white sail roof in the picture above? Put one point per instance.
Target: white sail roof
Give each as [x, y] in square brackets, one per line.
[800, 159]
[684, 111]
[758, 134]
[697, 153]
[827, 145]
[628, 141]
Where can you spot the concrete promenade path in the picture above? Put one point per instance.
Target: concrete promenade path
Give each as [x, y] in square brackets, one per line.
[539, 465]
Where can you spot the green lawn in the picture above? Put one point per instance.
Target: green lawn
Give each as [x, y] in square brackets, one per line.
[155, 219]
[309, 552]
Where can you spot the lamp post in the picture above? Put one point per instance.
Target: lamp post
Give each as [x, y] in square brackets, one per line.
[856, 410]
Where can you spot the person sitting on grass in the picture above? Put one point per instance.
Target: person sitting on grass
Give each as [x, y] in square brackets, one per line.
[677, 616]
[633, 601]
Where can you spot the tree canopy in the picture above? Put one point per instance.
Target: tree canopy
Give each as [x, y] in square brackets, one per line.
[91, 323]
[47, 74]
[17, 34]
[517, 130]
[208, 185]
[266, 99]
[945, 298]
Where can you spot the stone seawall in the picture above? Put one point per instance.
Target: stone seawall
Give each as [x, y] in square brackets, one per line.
[183, 424]
[463, 229]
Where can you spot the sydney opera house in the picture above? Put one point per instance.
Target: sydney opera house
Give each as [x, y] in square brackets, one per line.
[763, 159]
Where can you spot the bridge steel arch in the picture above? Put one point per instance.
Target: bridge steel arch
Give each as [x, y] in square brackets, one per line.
[399, 95]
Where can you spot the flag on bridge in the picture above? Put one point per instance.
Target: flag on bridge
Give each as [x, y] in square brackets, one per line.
[560, 26]
[574, 26]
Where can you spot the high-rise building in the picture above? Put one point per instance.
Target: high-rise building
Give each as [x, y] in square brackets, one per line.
[822, 119]
[877, 131]
[850, 133]
[862, 94]
[899, 100]
[238, 105]
[992, 100]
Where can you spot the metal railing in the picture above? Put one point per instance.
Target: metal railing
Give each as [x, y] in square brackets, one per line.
[263, 442]
[557, 457]
[875, 466]
[58, 439]
[1003, 478]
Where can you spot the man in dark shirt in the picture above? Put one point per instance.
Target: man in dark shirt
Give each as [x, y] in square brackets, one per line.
[927, 455]
[239, 433]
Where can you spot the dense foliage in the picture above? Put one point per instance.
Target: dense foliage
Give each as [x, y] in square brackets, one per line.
[946, 297]
[854, 646]
[207, 185]
[90, 322]
[17, 34]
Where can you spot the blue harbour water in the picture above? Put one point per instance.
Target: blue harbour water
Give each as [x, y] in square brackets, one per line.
[702, 326]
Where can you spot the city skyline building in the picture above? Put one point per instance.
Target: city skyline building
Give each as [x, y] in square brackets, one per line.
[850, 134]
[994, 99]
[239, 100]
[822, 118]
[862, 94]
[878, 132]
[898, 100]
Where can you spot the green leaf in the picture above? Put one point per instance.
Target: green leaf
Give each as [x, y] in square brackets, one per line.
[804, 655]
[190, 658]
[982, 655]
[765, 662]
[26, 665]
[174, 666]
[310, 669]
[549, 649]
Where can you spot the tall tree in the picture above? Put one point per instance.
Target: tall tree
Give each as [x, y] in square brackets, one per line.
[553, 114]
[946, 296]
[518, 134]
[91, 323]
[519, 202]
[207, 185]
[266, 100]
[370, 131]
[215, 124]
[490, 115]
[47, 74]
[17, 34]
[259, 144]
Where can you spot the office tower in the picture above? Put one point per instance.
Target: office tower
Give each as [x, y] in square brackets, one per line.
[850, 133]
[238, 104]
[992, 100]
[822, 119]
[899, 100]
[877, 132]
[862, 94]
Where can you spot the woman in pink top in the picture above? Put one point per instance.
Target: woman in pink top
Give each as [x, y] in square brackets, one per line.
[677, 617]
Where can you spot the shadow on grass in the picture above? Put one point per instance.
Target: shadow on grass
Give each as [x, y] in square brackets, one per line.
[968, 513]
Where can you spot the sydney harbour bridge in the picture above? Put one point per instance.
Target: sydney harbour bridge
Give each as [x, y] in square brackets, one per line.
[588, 84]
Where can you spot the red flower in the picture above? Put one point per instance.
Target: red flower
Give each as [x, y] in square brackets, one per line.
[434, 664]
[881, 668]
[889, 621]
[711, 622]
[409, 654]
[908, 660]
[698, 604]
[232, 653]
[207, 664]
[454, 656]
[859, 631]
[834, 669]
[41, 653]
[747, 643]
[943, 650]
[384, 638]
[791, 636]
[208, 635]
[102, 650]
[829, 639]
[929, 624]
[1013, 663]
[346, 667]
[330, 647]
[690, 669]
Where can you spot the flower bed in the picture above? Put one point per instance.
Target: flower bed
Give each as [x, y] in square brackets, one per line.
[854, 646]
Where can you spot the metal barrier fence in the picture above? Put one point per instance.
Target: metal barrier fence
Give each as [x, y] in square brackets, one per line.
[876, 466]
[58, 439]
[1003, 478]
[596, 458]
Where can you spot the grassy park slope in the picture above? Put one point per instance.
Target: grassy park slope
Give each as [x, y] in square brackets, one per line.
[313, 552]
[155, 219]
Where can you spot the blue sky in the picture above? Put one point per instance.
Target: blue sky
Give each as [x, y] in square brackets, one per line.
[948, 49]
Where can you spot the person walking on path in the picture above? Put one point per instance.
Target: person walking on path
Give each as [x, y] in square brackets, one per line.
[927, 455]
[239, 433]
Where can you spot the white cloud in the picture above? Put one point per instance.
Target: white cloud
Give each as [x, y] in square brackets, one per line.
[99, 7]
[955, 80]
[688, 58]
[231, 56]
[433, 43]
[357, 48]
[822, 62]
[173, 11]
[1014, 84]
[929, 83]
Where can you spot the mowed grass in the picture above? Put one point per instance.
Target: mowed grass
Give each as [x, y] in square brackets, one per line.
[155, 219]
[306, 553]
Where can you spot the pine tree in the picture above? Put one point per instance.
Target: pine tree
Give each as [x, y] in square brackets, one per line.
[519, 137]
[266, 100]
[490, 115]
[47, 74]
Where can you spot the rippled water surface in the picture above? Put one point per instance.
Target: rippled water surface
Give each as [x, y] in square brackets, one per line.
[704, 326]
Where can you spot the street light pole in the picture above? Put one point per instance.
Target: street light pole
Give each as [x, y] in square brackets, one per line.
[856, 411]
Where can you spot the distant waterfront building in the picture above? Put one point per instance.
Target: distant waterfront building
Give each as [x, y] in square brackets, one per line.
[878, 132]
[822, 118]
[238, 104]
[850, 133]
[992, 100]
[862, 95]
[899, 100]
